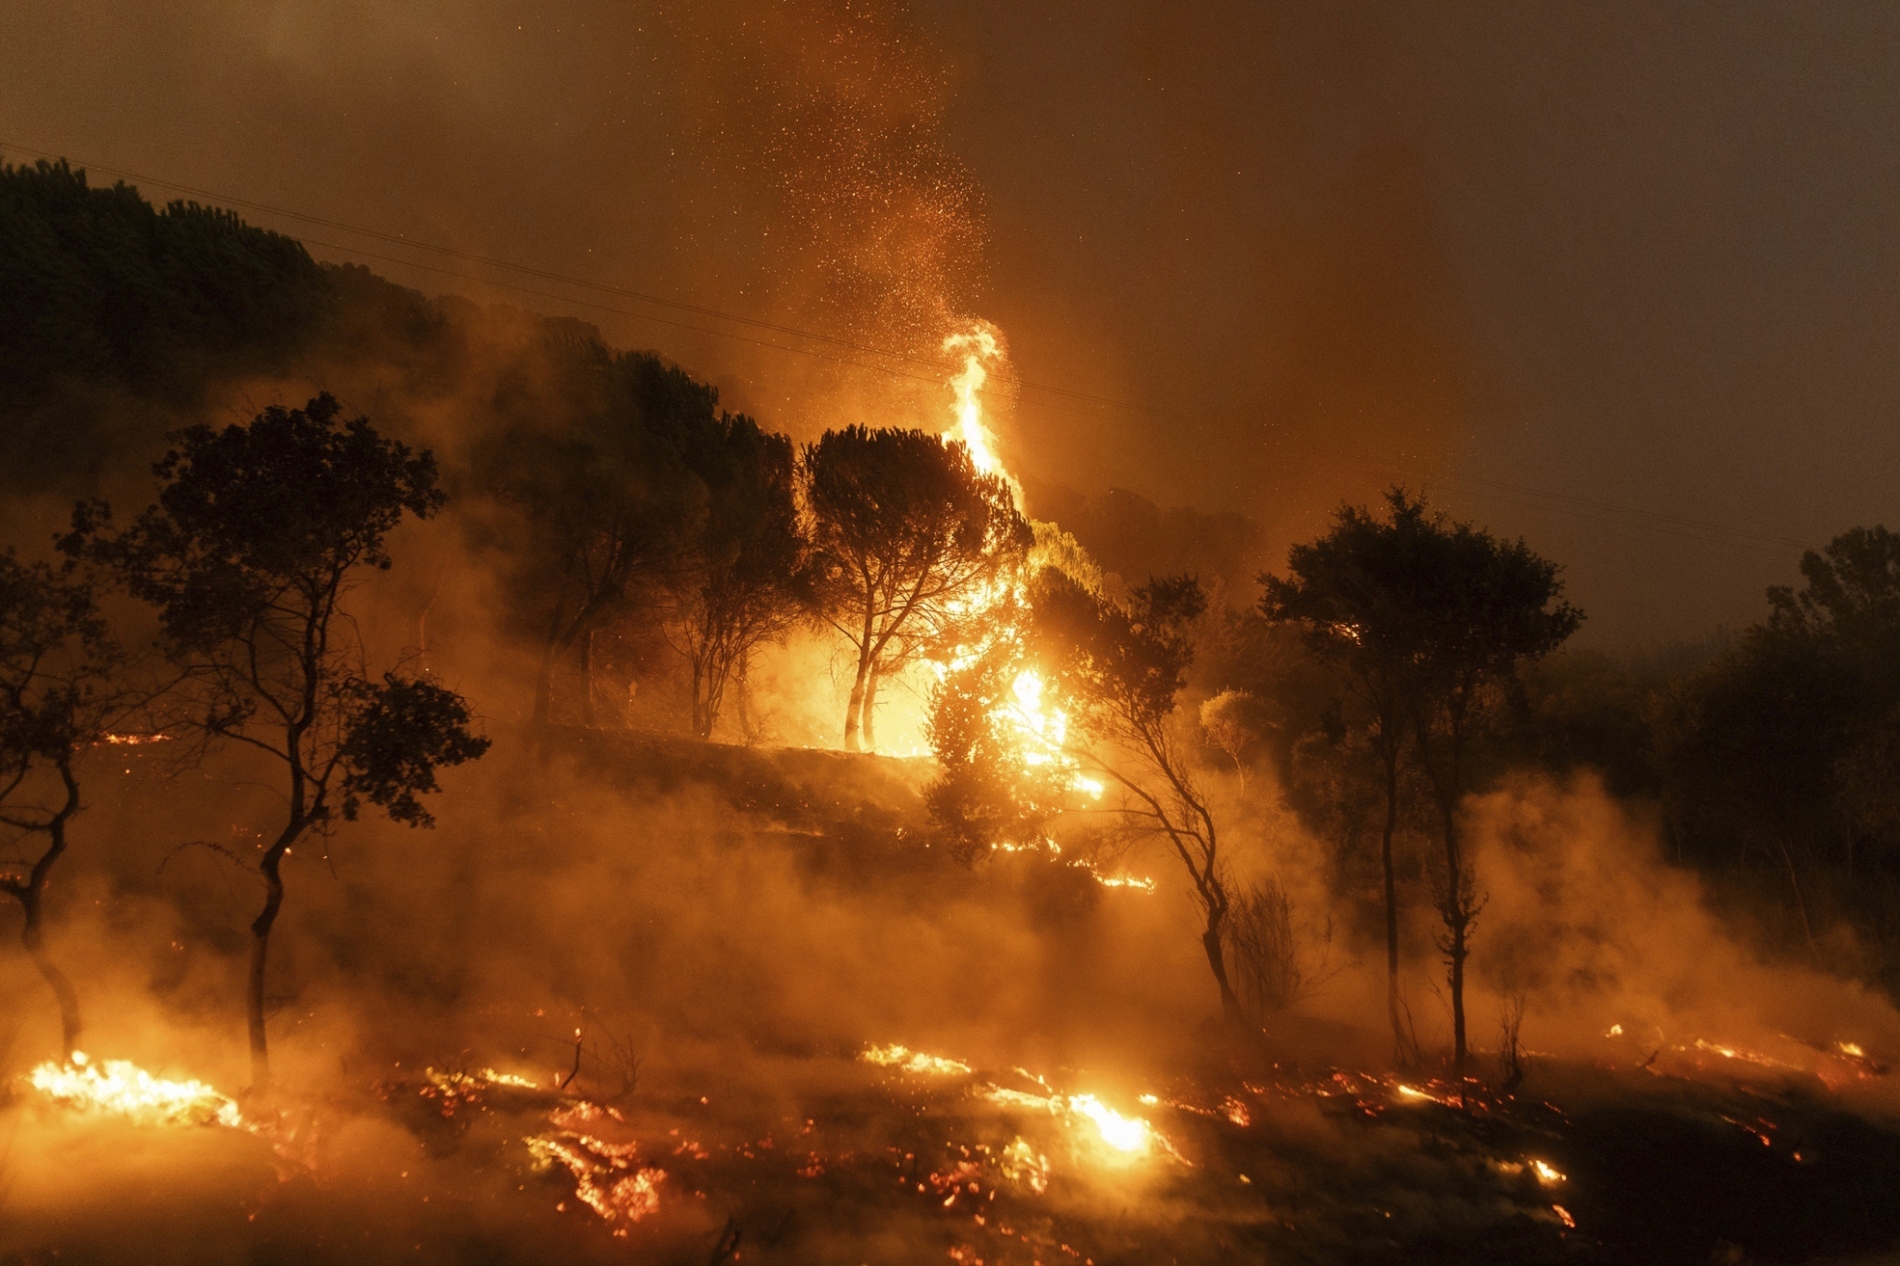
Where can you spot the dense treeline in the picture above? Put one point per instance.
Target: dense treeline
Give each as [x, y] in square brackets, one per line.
[106, 292]
[1772, 756]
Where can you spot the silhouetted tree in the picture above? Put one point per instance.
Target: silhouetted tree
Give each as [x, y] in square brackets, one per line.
[611, 504]
[1483, 607]
[743, 580]
[904, 528]
[1358, 594]
[105, 293]
[1123, 666]
[1784, 744]
[59, 692]
[258, 535]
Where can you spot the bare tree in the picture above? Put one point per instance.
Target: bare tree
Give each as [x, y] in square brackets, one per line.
[1123, 666]
[1274, 959]
[258, 535]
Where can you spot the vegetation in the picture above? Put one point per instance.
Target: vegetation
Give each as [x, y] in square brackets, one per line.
[1124, 666]
[60, 691]
[258, 535]
[107, 293]
[743, 581]
[905, 530]
[1398, 664]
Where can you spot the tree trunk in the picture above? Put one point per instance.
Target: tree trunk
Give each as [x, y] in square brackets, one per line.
[31, 937]
[1401, 1046]
[1800, 905]
[544, 679]
[702, 722]
[1217, 960]
[587, 675]
[870, 710]
[1457, 925]
[271, 868]
[854, 707]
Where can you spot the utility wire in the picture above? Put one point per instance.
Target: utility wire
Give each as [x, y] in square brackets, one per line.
[1585, 508]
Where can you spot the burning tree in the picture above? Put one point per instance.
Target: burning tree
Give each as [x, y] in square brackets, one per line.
[1123, 667]
[743, 582]
[59, 693]
[258, 534]
[907, 534]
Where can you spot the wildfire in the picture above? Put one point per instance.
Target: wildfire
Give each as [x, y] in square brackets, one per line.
[121, 1088]
[1547, 1174]
[1129, 1136]
[1023, 1164]
[1033, 725]
[608, 1176]
[906, 1060]
[978, 346]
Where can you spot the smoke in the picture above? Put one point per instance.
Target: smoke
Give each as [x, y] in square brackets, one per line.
[1586, 922]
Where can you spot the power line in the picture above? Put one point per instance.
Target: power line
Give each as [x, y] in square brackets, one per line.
[1586, 508]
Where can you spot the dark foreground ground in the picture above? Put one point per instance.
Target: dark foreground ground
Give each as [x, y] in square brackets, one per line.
[847, 1161]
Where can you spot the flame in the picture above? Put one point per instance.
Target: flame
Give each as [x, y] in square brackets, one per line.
[906, 1060]
[1024, 1164]
[1127, 1134]
[120, 1087]
[1547, 1174]
[1130, 1136]
[978, 345]
[1033, 726]
[608, 1176]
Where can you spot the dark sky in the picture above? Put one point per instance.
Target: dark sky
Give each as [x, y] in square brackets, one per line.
[1619, 277]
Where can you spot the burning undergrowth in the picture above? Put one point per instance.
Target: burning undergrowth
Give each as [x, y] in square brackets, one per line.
[805, 1036]
[894, 1154]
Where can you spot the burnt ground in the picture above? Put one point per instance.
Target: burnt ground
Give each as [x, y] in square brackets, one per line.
[873, 1165]
[782, 1152]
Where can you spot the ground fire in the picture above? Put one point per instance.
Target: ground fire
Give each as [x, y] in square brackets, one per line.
[820, 633]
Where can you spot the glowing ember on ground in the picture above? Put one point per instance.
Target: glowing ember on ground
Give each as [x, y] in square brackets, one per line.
[1023, 1164]
[120, 1087]
[1413, 1093]
[1547, 1174]
[1744, 1056]
[1132, 1136]
[1564, 1214]
[906, 1060]
[608, 1176]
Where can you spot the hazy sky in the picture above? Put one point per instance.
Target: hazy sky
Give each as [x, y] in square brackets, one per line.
[1617, 277]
